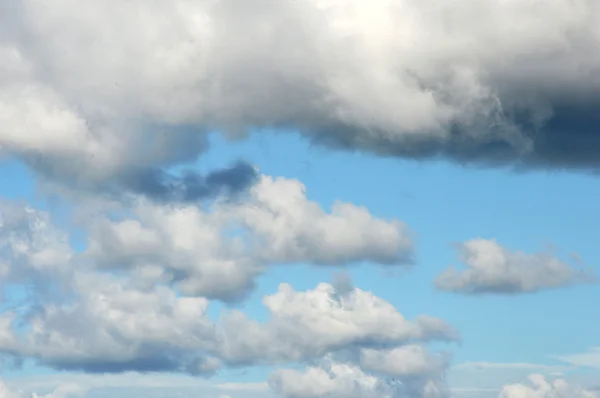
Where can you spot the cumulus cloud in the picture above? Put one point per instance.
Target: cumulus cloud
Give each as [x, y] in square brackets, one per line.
[403, 361]
[491, 268]
[310, 324]
[96, 98]
[62, 391]
[131, 317]
[217, 253]
[113, 327]
[333, 379]
[542, 388]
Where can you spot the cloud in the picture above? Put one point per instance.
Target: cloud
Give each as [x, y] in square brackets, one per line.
[33, 251]
[494, 269]
[62, 391]
[113, 327]
[100, 317]
[109, 326]
[542, 388]
[6, 393]
[218, 253]
[310, 324]
[90, 102]
[403, 361]
[333, 379]
[591, 358]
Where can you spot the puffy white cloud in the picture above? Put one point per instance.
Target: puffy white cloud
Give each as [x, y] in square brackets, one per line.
[134, 318]
[333, 379]
[136, 298]
[491, 268]
[290, 228]
[339, 380]
[403, 361]
[542, 388]
[309, 324]
[218, 253]
[110, 326]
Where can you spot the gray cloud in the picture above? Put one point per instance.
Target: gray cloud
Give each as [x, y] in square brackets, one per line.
[190, 186]
[62, 391]
[109, 326]
[491, 268]
[85, 97]
[313, 323]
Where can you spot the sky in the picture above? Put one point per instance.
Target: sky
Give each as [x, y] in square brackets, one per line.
[299, 199]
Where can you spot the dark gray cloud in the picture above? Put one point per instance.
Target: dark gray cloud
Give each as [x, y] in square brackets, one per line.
[190, 186]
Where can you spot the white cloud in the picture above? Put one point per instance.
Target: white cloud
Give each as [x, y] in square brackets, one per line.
[478, 366]
[113, 327]
[333, 379]
[491, 268]
[408, 360]
[585, 359]
[310, 324]
[542, 388]
[98, 320]
[278, 225]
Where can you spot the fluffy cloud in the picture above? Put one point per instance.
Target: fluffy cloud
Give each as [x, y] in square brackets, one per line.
[114, 327]
[403, 361]
[63, 391]
[541, 388]
[492, 268]
[305, 325]
[100, 319]
[102, 99]
[218, 253]
[333, 379]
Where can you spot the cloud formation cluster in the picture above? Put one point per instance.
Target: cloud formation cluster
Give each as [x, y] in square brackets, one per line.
[136, 298]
